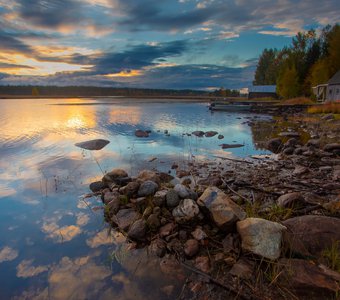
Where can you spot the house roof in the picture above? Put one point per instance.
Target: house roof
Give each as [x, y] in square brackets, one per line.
[262, 89]
[335, 79]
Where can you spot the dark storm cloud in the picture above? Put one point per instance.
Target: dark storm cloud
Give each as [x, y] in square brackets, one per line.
[137, 57]
[49, 13]
[12, 44]
[12, 66]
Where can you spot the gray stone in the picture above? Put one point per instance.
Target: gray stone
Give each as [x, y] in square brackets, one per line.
[141, 133]
[198, 133]
[97, 186]
[109, 196]
[131, 189]
[113, 206]
[313, 143]
[111, 177]
[220, 136]
[137, 230]
[186, 211]
[157, 247]
[147, 212]
[331, 147]
[292, 142]
[147, 188]
[199, 234]
[290, 134]
[291, 200]
[125, 217]
[288, 151]
[261, 237]
[172, 198]
[167, 229]
[300, 170]
[159, 198]
[182, 191]
[224, 212]
[191, 247]
[203, 264]
[243, 269]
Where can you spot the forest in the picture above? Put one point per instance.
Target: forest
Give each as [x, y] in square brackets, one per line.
[311, 59]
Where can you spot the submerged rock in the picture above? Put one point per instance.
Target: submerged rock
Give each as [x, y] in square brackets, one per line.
[198, 133]
[227, 146]
[141, 133]
[125, 217]
[210, 133]
[96, 144]
[224, 212]
[261, 237]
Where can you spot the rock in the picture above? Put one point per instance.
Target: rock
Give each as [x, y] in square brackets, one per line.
[210, 133]
[182, 191]
[202, 263]
[274, 145]
[243, 268]
[153, 221]
[97, 186]
[125, 217]
[331, 147]
[97, 144]
[113, 206]
[147, 188]
[186, 211]
[172, 198]
[115, 176]
[199, 234]
[333, 206]
[186, 181]
[290, 134]
[224, 212]
[146, 175]
[191, 247]
[147, 212]
[141, 133]
[307, 280]
[291, 200]
[292, 142]
[170, 266]
[157, 247]
[261, 237]
[310, 235]
[313, 143]
[198, 133]
[174, 166]
[167, 229]
[159, 198]
[288, 151]
[131, 189]
[109, 196]
[299, 170]
[137, 230]
[164, 177]
[182, 173]
[220, 136]
[211, 180]
[227, 146]
[228, 244]
[328, 117]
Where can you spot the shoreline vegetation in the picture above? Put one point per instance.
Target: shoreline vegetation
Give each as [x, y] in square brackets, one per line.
[261, 228]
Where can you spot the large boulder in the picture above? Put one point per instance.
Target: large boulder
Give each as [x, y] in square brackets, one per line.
[137, 230]
[146, 175]
[291, 200]
[308, 280]
[261, 237]
[186, 211]
[310, 235]
[224, 212]
[117, 176]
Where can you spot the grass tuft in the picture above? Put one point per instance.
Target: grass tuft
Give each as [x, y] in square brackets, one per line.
[298, 101]
[327, 108]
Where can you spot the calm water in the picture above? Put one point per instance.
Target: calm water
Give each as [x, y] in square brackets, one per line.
[53, 243]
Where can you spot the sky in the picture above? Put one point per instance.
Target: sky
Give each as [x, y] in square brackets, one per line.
[169, 44]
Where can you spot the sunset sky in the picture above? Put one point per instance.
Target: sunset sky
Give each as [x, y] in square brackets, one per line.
[148, 43]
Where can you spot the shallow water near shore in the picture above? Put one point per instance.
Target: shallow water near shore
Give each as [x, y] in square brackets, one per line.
[54, 242]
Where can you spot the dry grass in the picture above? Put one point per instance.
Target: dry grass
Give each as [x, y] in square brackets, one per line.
[330, 107]
[298, 101]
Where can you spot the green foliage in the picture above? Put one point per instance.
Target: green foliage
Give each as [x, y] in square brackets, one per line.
[310, 60]
[288, 85]
[332, 255]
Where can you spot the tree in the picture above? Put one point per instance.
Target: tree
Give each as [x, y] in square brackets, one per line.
[288, 85]
[35, 92]
[267, 70]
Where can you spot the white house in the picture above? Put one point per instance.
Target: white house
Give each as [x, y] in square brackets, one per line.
[329, 91]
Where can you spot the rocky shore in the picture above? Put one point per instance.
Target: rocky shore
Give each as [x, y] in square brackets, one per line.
[261, 228]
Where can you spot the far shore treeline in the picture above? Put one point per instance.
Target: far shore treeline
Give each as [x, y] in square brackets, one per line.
[312, 59]
[87, 91]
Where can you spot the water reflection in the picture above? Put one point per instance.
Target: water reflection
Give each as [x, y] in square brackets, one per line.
[53, 244]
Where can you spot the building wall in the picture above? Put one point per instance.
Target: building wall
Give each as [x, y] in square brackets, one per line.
[333, 92]
[254, 95]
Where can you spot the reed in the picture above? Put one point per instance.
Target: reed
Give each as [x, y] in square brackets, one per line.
[329, 107]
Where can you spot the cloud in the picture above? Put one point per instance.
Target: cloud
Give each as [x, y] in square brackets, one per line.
[25, 269]
[12, 66]
[8, 254]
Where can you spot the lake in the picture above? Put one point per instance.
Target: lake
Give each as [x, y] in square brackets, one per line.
[54, 243]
